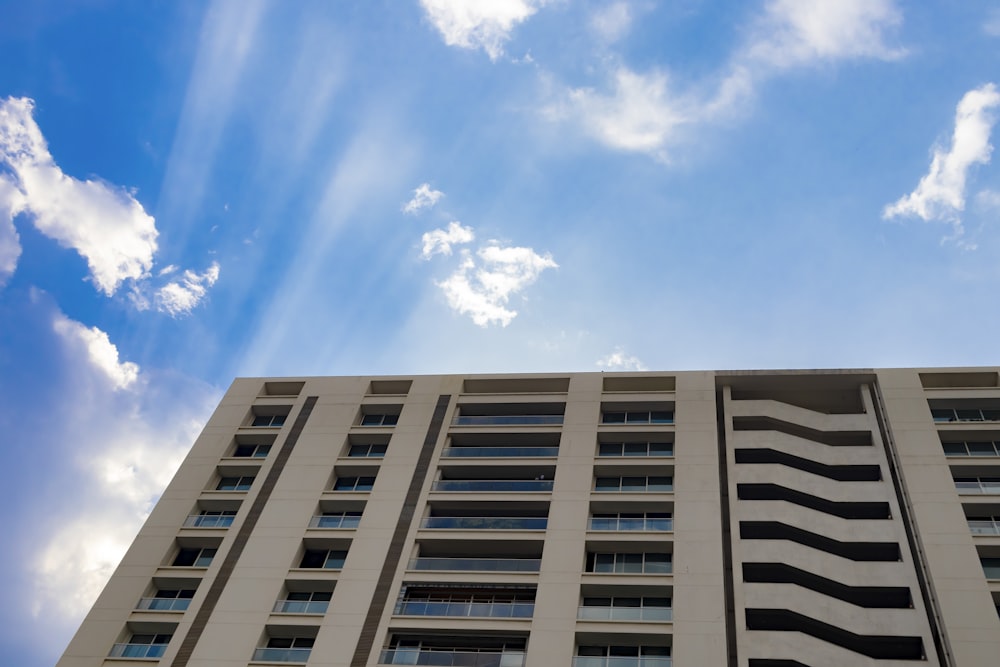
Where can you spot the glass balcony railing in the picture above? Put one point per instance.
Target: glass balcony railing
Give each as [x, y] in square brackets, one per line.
[501, 485]
[163, 604]
[443, 658]
[138, 650]
[300, 607]
[486, 522]
[209, 521]
[507, 420]
[335, 521]
[661, 614]
[981, 486]
[477, 564]
[984, 527]
[618, 523]
[466, 609]
[473, 452]
[621, 661]
[282, 654]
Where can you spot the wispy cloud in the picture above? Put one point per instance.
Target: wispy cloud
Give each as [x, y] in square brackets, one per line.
[102, 222]
[423, 197]
[483, 284]
[10, 242]
[439, 241]
[95, 346]
[991, 26]
[619, 360]
[612, 22]
[479, 24]
[180, 297]
[940, 195]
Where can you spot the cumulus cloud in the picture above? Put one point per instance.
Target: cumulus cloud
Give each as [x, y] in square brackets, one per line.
[793, 32]
[479, 24]
[482, 285]
[98, 349]
[102, 222]
[441, 240]
[940, 194]
[179, 297]
[423, 197]
[10, 242]
[619, 360]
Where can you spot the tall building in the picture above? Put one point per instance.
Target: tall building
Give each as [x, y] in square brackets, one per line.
[697, 519]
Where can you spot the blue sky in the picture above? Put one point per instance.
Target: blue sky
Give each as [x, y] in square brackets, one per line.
[192, 191]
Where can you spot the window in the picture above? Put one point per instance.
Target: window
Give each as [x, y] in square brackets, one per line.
[640, 563]
[328, 559]
[977, 484]
[991, 567]
[168, 600]
[619, 608]
[142, 646]
[367, 451]
[622, 656]
[211, 519]
[634, 484]
[354, 483]
[638, 417]
[336, 520]
[983, 448]
[194, 557]
[632, 521]
[268, 421]
[474, 650]
[235, 483]
[984, 525]
[309, 602]
[941, 415]
[635, 449]
[480, 602]
[285, 649]
[252, 451]
[378, 419]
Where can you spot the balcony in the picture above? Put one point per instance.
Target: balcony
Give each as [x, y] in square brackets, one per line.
[282, 654]
[621, 661]
[465, 609]
[980, 485]
[209, 520]
[984, 527]
[299, 607]
[163, 604]
[946, 415]
[507, 420]
[138, 650]
[335, 521]
[604, 613]
[499, 452]
[486, 522]
[477, 564]
[494, 485]
[456, 658]
[638, 524]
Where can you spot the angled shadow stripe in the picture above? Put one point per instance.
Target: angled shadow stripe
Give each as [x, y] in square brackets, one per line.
[856, 551]
[869, 597]
[832, 438]
[842, 509]
[840, 473]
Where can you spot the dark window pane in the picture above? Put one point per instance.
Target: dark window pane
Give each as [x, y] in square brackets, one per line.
[955, 449]
[614, 418]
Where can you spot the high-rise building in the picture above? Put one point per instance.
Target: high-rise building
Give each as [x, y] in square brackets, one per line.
[697, 519]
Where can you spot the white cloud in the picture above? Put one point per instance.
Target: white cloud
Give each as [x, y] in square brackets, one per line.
[181, 296]
[485, 24]
[99, 351]
[423, 197]
[940, 195]
[441, 240]
[482, 286]
[992, 24]
[612, 22]
[10, 242]
[102, 222]
[639, 115]
[794, 32]
[619, 360]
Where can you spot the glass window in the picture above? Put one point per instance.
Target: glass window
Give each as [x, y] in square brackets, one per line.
[332, 559]
[235, 483]
[271, 421]
[354, 484]
[379, 420]
[373, 451]
[955, 449]
[981, 449]
[193, 557]
[252, 451]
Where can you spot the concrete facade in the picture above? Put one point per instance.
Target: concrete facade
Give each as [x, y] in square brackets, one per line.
[735, 519]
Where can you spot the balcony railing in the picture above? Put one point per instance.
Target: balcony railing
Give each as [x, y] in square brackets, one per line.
[978, 487]
[507, 420]
[473, 452]
[282, 654]
[501, 485]
[621, 661]
[163, 604]
[477, 564]
[467, 609]
[442, 658]
[138, 650]
[301, 607]
[984, 527]
[619, 524]
[336, 521]
[486, 522]
[209, 521]
[661, 614]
